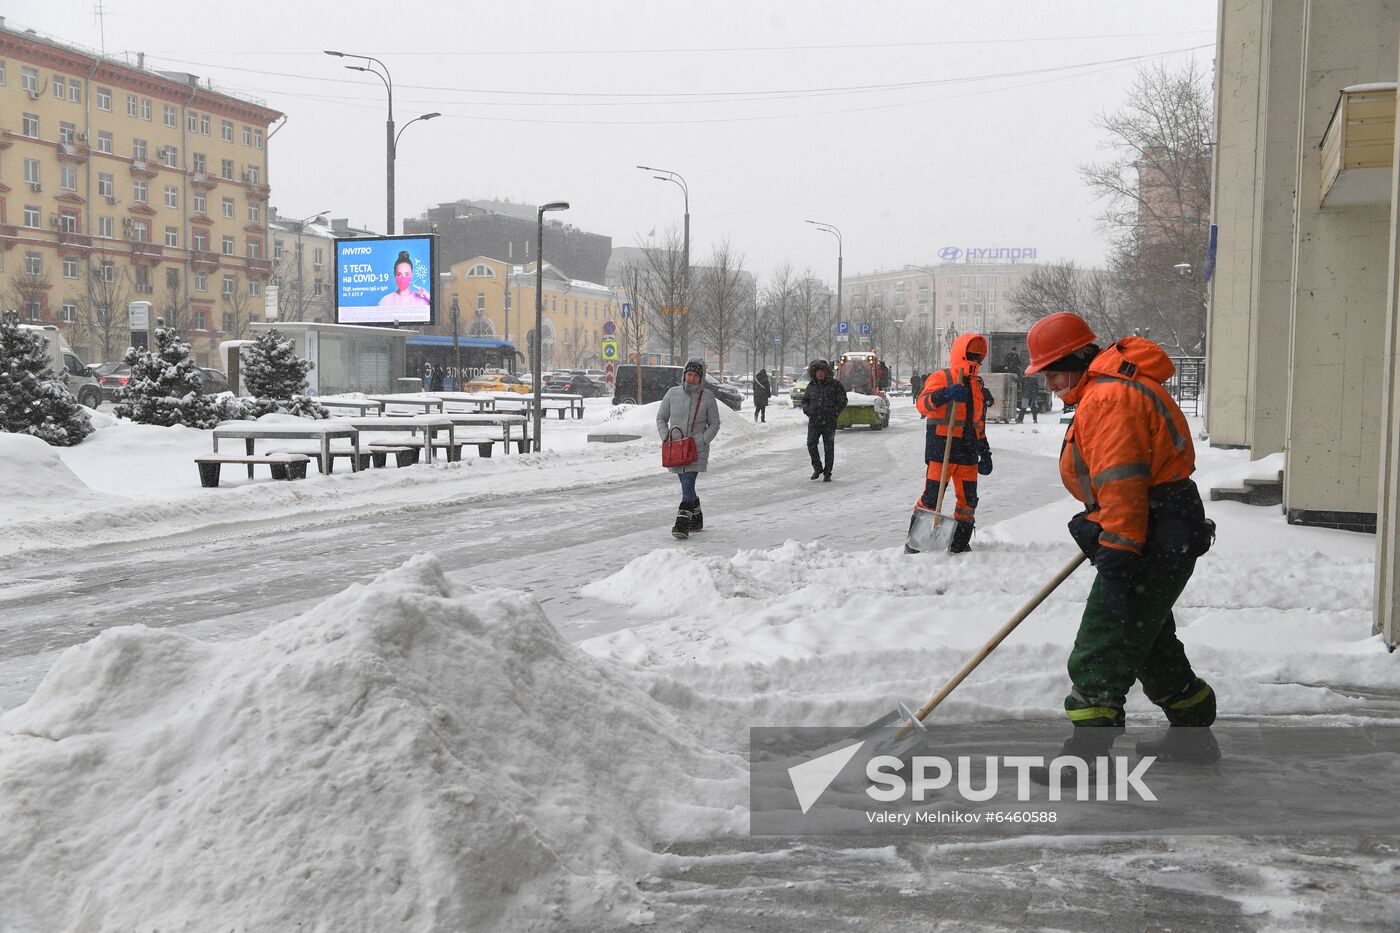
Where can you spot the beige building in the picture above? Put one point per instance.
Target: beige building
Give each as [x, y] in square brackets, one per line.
[1303, 314]
[303, 265]
[119, 183]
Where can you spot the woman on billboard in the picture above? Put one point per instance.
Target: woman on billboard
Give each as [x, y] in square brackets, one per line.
[406, 294]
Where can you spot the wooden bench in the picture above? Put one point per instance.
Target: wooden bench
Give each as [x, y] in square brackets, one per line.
[335, 453]
[404, 455]
[483, 445]
[285, 466]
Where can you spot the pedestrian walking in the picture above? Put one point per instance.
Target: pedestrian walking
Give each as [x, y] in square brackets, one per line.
[690, 409]
[762, 391]
[1128, 457]
[963, 426]
[916, 385]
[822, 402]
[435, 384]
[1028, 399]
[427, 376]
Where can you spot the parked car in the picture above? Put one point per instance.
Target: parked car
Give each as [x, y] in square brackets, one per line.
[99, 370]
[66, 367]
[577, 383]
[211, 381]
[728, 394]
[799, 389]
[113, 381]
[497, 382]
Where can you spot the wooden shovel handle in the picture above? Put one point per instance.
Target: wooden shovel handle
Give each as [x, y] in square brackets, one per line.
[948, 453]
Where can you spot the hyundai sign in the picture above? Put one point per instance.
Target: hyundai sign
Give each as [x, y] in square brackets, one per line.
[986, 254]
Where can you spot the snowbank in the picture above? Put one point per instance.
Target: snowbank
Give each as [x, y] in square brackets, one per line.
[37, 486]
[408, 755]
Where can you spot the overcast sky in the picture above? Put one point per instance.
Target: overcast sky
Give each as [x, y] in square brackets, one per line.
[878, 117]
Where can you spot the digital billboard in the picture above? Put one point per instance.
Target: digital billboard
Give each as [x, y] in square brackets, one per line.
[383, 280]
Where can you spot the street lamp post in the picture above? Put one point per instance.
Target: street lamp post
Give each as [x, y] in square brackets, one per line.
[933, 307]
[301, 268]
[391, 141]
[676, 179]
[840, 259]
[898, 334]
[538, 347]
[456, 313]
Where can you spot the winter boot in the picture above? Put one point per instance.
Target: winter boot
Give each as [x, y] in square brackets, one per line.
[826, 477]
[1194, 745]
[697, 520]
[682, 527]
[817, 473]
[962, 536]
[1088, 743]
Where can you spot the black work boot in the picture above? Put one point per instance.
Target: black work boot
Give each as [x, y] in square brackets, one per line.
[1088, 743]
[682, 526]
[1194, 745]
[962, 537]
[697, 520]
[817, 473]
[826, 477]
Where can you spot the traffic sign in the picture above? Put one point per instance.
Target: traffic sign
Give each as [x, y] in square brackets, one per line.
[843, 327]
[609, 328]
[609, 372]
[626, 309]
[609, 350]
[778, 340]
[842, 338]
[865, 330]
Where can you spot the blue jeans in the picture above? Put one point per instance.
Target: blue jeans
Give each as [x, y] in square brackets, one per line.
[688, 498]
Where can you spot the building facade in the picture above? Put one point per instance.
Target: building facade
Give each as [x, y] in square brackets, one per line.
[303, 265]
[118, 183]
[506, 229]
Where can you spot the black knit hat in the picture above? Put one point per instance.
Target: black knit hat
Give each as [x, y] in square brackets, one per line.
[1075, 362]
[696, 366]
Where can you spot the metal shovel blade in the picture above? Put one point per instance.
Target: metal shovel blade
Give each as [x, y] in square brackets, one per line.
[929, 531]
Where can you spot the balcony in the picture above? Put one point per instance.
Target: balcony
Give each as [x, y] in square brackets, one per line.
[258, 191]
[73, 238]
[260, 265]
[9, 233]
[203, 257]
[203, 181]
[143, 250]
[143, 169]
[1358, 149]
[72, 152]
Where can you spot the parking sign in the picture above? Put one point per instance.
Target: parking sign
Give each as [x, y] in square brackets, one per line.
[843, 327]
[865, 330]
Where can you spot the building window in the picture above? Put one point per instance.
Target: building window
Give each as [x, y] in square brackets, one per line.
[228, 246]
[201, 319]
[255, 249]
[172, 278]
[201, 241]
[191, 121]
[145, 108]
[75, 91]
[31, 171]
[199, 162]
[60, 87]
[104, 99]
[138, 190]
[201, 282]
[201, 203]
[131, 105]
[140, 233]
[226, 131]
[68, 313]
[254, 174]
[172, 197]
[29, 125]
[316, 290]
[316, 258]
[257, 139]
[230, 286]
[228, 322]
[70, 267]
[203, 124]
[254, 214]
[104, 227]
[31, 215]
[138, 150]
[143, 279]
[2, 71]
[247, 135]
[228, 207]
[226, 169]
[34, 309]
[68, 177]
[29, 80]
[171, 116]
[33, 264]
[277, 250]
[254, 288]
[104, 142]
[66, 132]
[480, 301]
[171, 156]
[104, 186]
[172, 236]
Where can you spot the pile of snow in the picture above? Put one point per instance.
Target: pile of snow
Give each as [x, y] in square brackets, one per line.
[408, 755]
[36, 485]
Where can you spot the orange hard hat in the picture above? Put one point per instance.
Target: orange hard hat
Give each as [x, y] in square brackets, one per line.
[1054, 336]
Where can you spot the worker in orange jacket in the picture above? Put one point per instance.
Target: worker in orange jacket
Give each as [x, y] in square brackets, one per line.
[1128, 457]
[959, 386]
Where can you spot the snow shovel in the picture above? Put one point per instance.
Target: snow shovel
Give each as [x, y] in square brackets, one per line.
[931, 530]
[913, 721]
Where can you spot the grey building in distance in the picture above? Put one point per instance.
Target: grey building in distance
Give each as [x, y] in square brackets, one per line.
[506, 230]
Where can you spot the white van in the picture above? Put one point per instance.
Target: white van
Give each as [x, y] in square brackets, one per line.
[70, 370]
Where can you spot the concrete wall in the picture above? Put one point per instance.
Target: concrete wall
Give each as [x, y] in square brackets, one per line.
[1387, 589]
[1233, 199]
[1340, 258]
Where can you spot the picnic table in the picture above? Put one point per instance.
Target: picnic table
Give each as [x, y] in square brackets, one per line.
[430, 425]
[513, 402]
[479, 401]
[322, 431]
[362, 406]
[429, 403]
[505, 422]
[563, 402]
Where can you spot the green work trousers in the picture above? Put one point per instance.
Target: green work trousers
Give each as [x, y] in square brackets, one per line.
[1111, 652]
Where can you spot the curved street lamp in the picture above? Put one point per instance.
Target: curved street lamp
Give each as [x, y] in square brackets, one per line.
[538, 349]
[840, 258]
[664, 174]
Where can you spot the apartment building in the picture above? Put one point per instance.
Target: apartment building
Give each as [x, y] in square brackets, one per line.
[303, 264]
[121, 183]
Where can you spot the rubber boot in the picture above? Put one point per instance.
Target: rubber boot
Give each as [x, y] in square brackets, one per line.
[962, 537]
[697, 520]
[1088, 743]
[682, 526]
[1194, 745]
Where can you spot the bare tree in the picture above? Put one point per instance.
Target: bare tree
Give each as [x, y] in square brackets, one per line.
[633, 333]
[665, 282]
[296, 290]
[102, 318]
[25, 292]
[778, 311]
[1156, 186]
[813, 318]
[237, 310]
[175, 303]
[1061, 286]
[721, 298]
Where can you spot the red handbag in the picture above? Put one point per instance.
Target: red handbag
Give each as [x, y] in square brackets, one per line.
[680, 451]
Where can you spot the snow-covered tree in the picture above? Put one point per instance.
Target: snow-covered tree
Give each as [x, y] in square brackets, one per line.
[277, 376]
[32, 400]
[163, 388]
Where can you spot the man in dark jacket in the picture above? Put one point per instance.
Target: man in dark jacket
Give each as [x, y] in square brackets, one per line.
[762, 391]
[822, 402]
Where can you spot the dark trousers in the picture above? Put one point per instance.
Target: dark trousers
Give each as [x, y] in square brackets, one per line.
[824, 431]
[760, 413]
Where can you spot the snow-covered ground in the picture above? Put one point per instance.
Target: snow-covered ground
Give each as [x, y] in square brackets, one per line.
[497, 694]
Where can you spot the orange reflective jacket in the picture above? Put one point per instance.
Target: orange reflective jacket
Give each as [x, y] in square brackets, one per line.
[1128, 435]
[969, 422]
